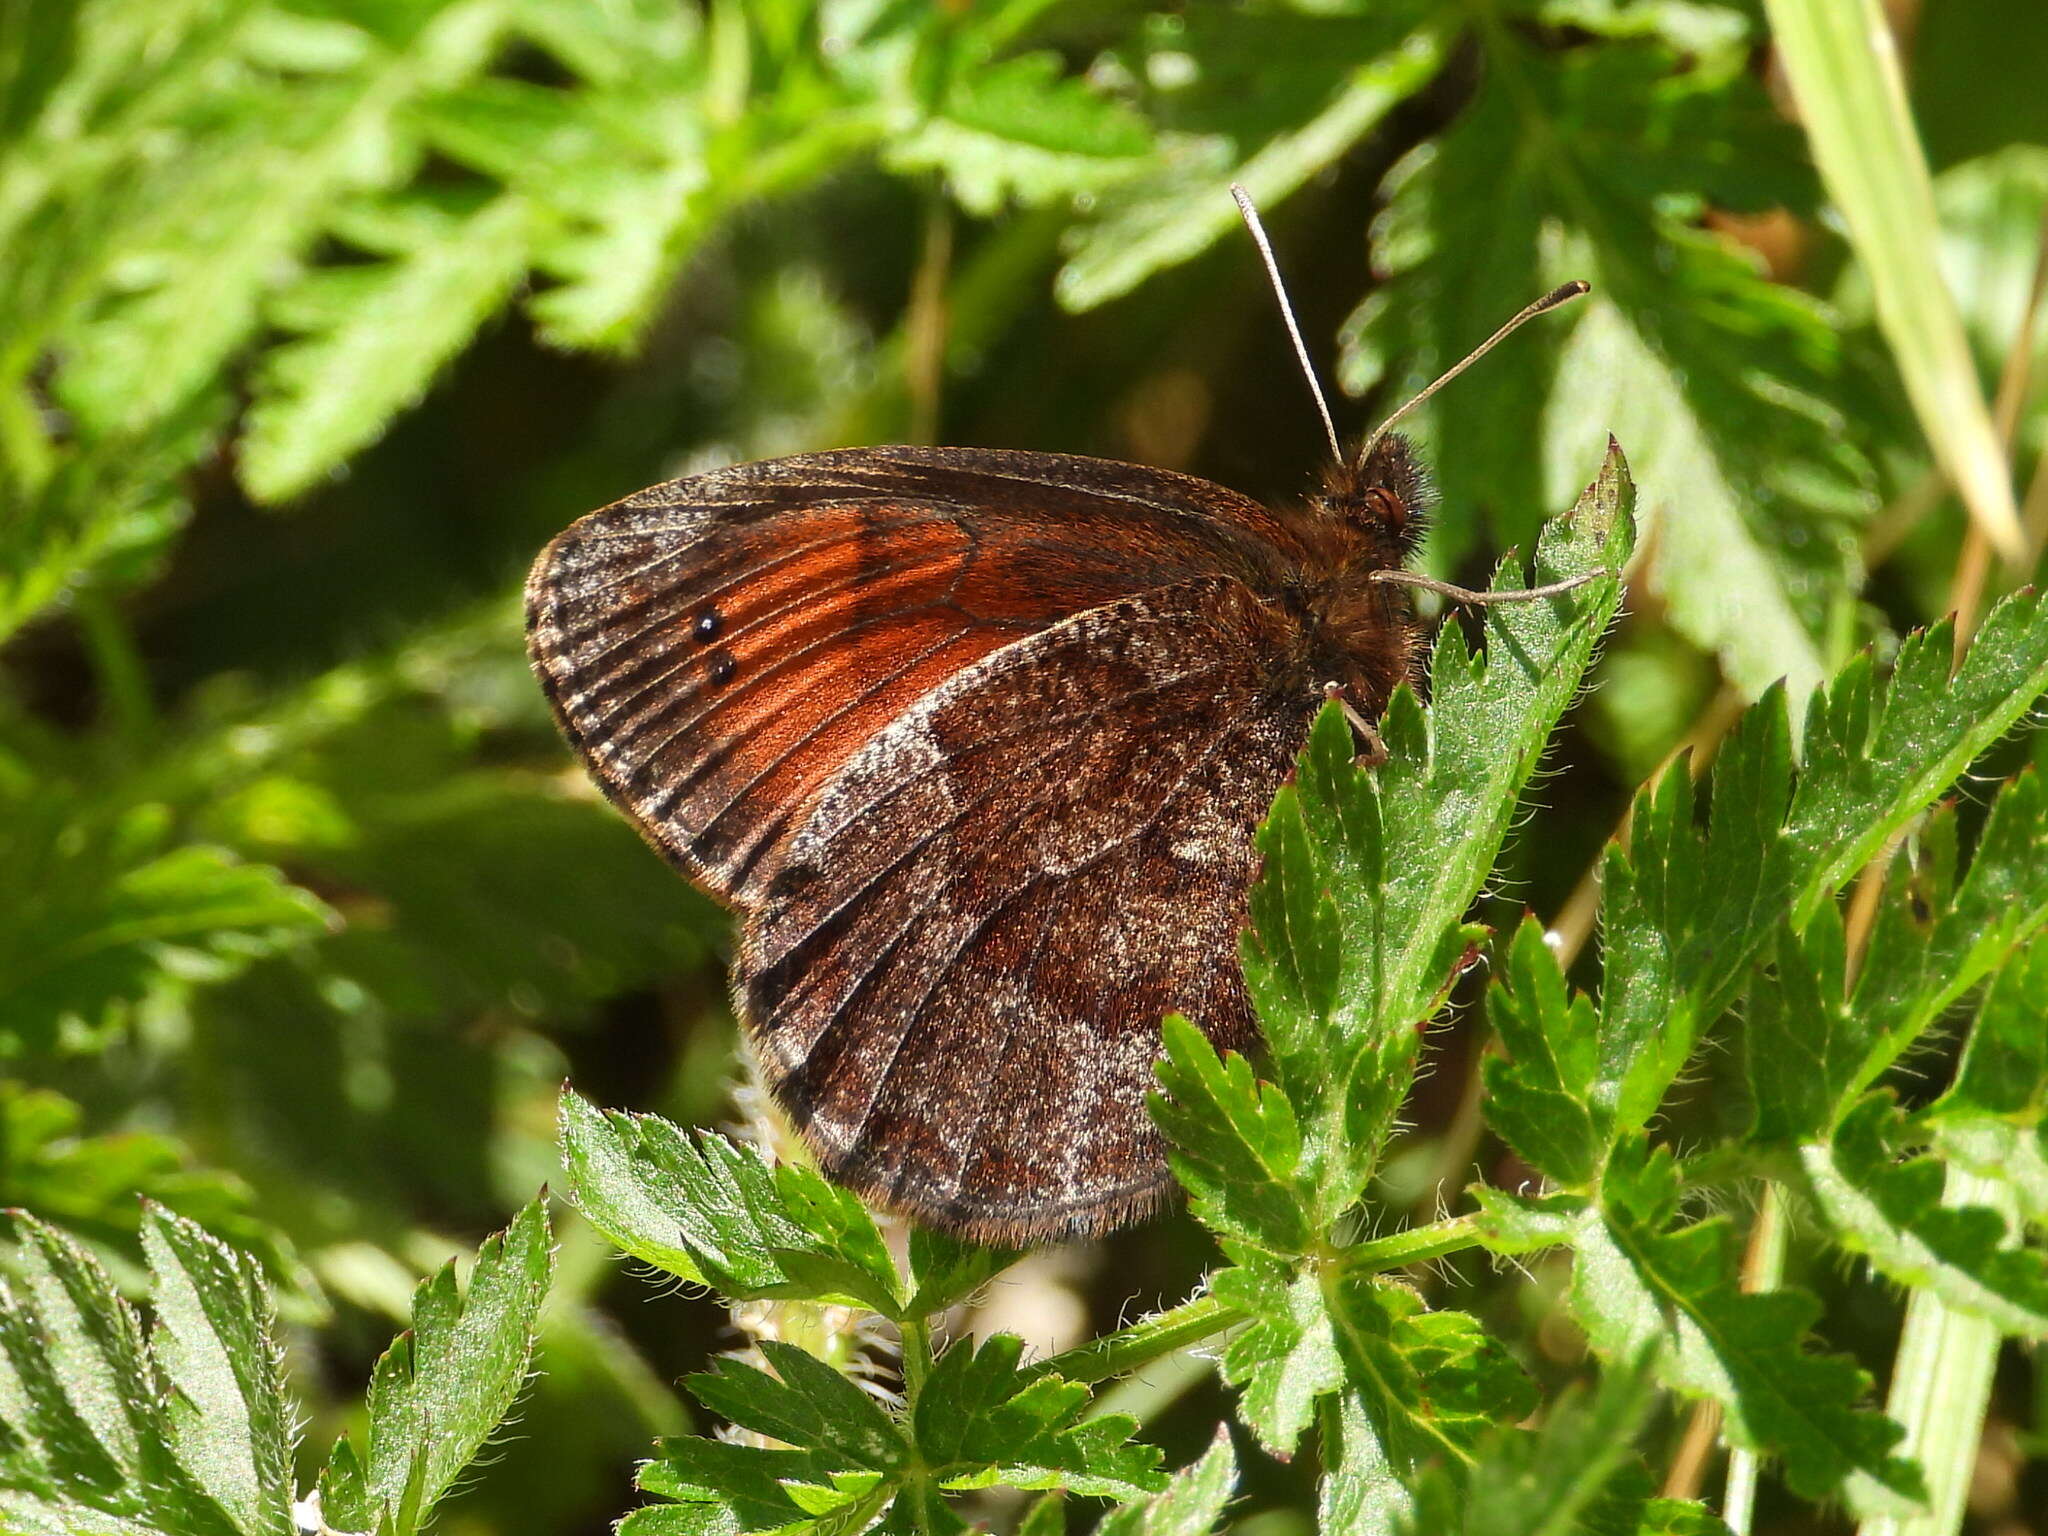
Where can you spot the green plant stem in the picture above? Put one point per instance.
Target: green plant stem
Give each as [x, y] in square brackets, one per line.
[1941, 1385]
[917, 1370]
[917, 1358]
[1764, 1270]
[1116, 1354]
[123, 680]
[1411, 1245]
[924, 325]
[1145, 1396]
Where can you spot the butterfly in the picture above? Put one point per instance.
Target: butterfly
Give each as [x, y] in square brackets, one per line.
[976, 741]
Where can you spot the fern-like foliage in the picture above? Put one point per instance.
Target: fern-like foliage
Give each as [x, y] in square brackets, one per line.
[188, 1428]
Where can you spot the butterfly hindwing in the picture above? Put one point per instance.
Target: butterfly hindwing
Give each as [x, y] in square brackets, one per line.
[975, 934]
[718, 647]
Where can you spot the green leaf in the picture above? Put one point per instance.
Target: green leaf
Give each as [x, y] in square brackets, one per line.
[1419, 1387]
[726, 1487]
[1020, 129]
[1541, 1097]
[1893, 1214]
[1285, 1358]
[1446, 801]
[106, 920]
[806, 1403]
[1880, 754]
[1236, 1147]
[623, 177]
[248, 202]
[344, 1490]
[1842, 65]
[372, 339]
[233, 1422]
[1047, 1516]
[86, 1410]
[1357, 933]
[188, 1429]
[1190, 1505]
[979, 1421]
[1993, 1121]
[1432, 1383]
[1578, 1472]
[1813, 1045]
[1595, 162]
[1684, 915]
[2003, 1073]
[1358, 918]
[1173, 214]
[1733, 580]
[714, 1213]
[1645, 1289]
[442, 1389]
[946, 1269]
[1413, 1384]
[88, 1183]
[98, 515]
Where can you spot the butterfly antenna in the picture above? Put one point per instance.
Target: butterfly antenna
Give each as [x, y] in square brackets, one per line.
[1562, 294]
[1308, 370]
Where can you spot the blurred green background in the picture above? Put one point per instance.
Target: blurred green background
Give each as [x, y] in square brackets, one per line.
[318, 317]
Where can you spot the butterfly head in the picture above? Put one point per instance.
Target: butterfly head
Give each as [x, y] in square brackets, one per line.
[1382, 498]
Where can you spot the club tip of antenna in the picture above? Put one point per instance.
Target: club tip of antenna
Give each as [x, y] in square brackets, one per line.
[1564, 293]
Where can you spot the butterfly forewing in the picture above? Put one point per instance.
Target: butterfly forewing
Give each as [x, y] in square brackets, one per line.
[958, 973]
[719, 647]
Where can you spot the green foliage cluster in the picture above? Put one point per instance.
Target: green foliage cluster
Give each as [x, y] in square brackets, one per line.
[318, 316]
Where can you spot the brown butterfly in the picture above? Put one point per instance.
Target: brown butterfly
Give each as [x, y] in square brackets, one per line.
[975, 741]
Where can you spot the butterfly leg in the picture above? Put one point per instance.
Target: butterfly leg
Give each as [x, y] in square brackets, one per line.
[1373, 750]
[1402, 578]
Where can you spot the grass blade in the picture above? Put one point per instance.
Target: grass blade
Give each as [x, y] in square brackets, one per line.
[1840, 58]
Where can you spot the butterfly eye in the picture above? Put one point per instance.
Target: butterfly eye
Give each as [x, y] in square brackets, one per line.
[1387, 507]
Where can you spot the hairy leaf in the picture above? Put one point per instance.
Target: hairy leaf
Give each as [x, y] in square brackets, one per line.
[1814, 1045]
[1685, 913]
[1286, 1356]
[1892, 1213]
[1190, 1506]
[1644, 1288]
[86, 1407]
[806, 1403]
[1236, 1147]
[980, 1421]
[233, 1424]
[442, 1389]
[700, 1207]
[1578, 1473]
[1993, 1121]
[1358, 919]
[1542, 1096]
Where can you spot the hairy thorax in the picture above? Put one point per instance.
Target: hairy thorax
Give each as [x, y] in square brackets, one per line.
[1357, 632]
